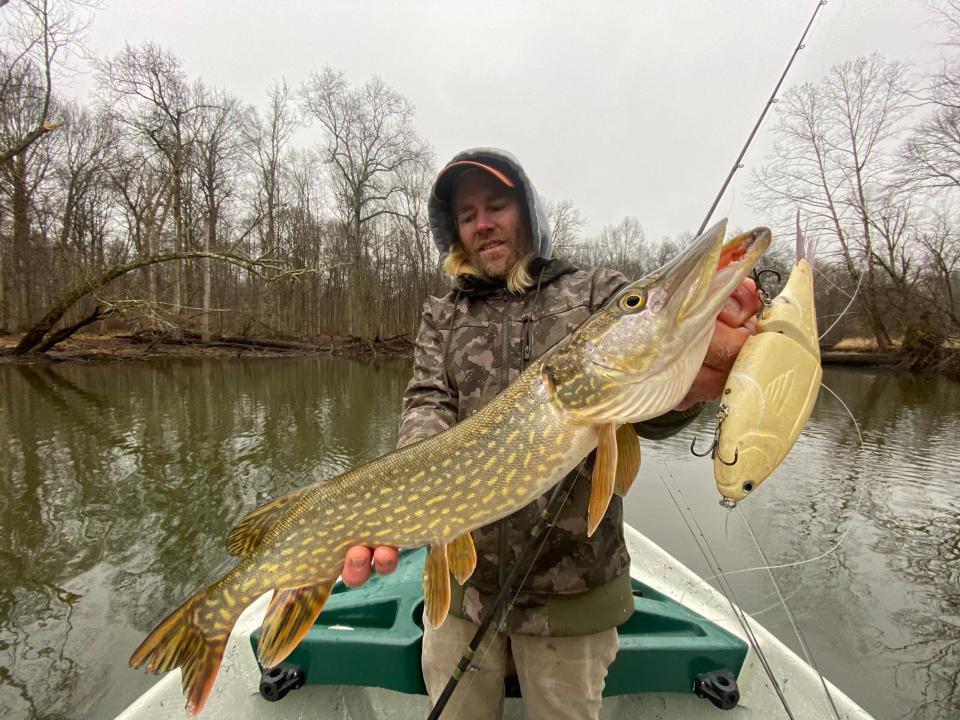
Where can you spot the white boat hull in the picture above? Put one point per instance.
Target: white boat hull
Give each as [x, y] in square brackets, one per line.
[236, 696]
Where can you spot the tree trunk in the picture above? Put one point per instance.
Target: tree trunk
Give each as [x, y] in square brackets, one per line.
[205, 321]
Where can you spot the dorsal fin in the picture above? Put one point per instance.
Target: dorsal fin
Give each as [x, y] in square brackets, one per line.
[247, 534]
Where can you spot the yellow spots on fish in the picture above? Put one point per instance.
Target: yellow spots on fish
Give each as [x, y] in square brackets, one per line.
[512, 473]
[468, 462]
[270, 567]
[322, 533]
[211, 602]
[225, 614]
[461, 507]
[285, 578]
[434, 500]
[386, 489]
[370, 511]
[367, 495]
[479, 515]
[420, 512]
[490, 463]
[492, 445]
[520, 491]
[446, 463]
[505, 491]
[351, 496]
[489, 496]
[286, 551]
[511, 437]
[401, 509]
[476, 482]
[433, 523]
[383, 533]
[413, 498]
[338, 528]
[229, 599]
[318, 551]
[330, 511]
[352, 516]
[457, 494]
[302, 554]
[433, 469]
[414, 528]
[531, 437]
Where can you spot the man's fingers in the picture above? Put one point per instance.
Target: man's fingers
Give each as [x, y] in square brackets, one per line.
[385, 559]
[725, 345]
[743, 303]
[356, 566]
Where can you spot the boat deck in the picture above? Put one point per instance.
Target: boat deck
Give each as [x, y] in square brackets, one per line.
[236, 696]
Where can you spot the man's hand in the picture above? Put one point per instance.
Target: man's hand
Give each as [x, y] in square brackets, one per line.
[356, 566]
[736, 322]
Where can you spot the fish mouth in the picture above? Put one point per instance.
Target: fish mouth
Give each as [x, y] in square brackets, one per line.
[698, 281]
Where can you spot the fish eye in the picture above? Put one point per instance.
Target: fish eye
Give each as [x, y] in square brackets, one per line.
[633, 301]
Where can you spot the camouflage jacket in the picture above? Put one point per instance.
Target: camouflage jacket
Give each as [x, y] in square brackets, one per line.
[472, 343]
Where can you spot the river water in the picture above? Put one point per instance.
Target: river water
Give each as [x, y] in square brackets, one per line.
[119, 483]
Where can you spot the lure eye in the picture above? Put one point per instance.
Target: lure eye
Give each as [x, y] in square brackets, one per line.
[633, 301]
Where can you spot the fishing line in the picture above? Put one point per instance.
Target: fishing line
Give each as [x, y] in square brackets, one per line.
[856, 509]
[853, 297]
[793, 622]
[727, 590]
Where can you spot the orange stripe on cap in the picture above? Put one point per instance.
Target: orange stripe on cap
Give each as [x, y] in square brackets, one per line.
[445, 181]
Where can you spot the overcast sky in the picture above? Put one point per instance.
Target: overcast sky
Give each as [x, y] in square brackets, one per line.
[625, 108]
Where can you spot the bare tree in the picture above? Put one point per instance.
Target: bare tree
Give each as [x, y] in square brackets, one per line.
[833, 158]
[566, 222]
[38, 35]
[216, 162]
[149, 92]
[370, 138]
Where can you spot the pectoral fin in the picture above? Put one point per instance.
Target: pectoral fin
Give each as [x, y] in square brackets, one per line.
[628, 459]
[462, 557]
[604, 475]
[436, 585]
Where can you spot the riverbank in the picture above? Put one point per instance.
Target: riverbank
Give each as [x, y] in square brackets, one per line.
[115, 348]
[126, 347]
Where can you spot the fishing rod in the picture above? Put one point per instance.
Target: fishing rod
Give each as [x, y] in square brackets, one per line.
[771, 101]
[545, 519]
[544, 522]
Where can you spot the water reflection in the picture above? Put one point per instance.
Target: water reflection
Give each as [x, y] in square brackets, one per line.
[119, 483]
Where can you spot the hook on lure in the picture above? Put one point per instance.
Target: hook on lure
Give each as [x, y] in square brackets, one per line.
[713, 450]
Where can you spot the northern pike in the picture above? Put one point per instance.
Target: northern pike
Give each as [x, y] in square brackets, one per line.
[632, 360]
[772, 386]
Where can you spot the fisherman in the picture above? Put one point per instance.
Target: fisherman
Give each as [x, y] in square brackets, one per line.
[511, 301]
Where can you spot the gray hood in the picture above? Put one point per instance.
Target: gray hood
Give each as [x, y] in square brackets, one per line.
[441, 222]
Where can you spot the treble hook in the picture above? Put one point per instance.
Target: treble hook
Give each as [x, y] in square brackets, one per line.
[714, 448]
[765, 294]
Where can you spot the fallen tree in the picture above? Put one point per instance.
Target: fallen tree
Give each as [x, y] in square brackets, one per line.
[39, 336]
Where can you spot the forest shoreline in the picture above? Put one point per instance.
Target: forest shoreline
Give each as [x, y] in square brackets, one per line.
[127, 348]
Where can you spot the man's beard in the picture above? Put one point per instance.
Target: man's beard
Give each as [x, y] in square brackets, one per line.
[498, 268]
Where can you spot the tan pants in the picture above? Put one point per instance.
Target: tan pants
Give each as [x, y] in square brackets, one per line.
[561, 678]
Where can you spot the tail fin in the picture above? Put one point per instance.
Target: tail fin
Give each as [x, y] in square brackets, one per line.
[193, 637]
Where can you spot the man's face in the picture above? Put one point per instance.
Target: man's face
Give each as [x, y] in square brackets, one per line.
[491, 223]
